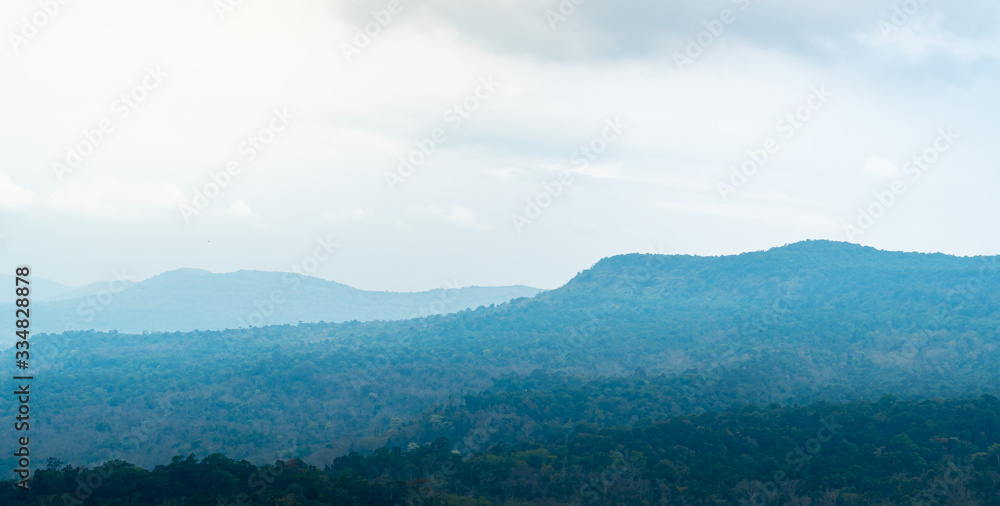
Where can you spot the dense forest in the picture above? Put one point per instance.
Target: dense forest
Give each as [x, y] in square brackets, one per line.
[888, 452]
[813, 321]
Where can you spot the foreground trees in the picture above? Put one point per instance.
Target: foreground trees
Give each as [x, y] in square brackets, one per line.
[885, 452]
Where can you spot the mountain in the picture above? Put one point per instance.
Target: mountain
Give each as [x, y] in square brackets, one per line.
[192, 299]
[807, 322]
[41, 290]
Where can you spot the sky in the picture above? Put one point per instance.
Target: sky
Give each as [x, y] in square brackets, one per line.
[416, 144]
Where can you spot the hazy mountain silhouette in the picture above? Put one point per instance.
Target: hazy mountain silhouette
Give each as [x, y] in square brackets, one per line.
[193, 299]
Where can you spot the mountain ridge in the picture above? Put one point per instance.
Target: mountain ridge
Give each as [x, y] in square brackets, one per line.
[195, 299]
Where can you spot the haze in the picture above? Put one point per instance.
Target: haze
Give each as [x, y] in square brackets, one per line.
[666, 98]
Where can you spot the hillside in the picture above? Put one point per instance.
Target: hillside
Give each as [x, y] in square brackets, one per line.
[806, 322]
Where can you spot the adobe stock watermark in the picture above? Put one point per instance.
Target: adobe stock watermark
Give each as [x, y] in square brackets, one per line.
[364, 35]
[250, 149]
[32, 25]
[122, 108]
[563, 11]
[384, 353]
[594, 490]
[941, 488]
[602, 318]
[90, 482]
[150, 426]
[224, 8]
[969, 292]
[789, 125]
[86, 484]
[795, 460]
[902, 13]
[447, 296]
[580, 159]
[265, 308]
[709, 375]
[714, 29]
[263, 477]
[479, 437]
[88, 310]
[98, 302]
[454, 117]
[914, 168]
[429, 489]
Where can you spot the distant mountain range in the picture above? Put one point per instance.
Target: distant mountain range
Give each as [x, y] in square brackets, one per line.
[41, 290]
[806, 322]
[193, 299]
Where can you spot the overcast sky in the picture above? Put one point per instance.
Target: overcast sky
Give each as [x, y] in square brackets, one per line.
[623, 122]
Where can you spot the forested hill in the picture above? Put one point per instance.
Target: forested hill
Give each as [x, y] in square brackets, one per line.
[194, 299]
[840, 274]
[806, 322]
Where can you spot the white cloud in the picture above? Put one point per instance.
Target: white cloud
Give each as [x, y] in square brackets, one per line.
[880, 168]
[239, 209]
[346, 215]
[603, 172]
[106, 196]
[457, 215]
[12, 195]
[504, 172]
[464, 217]
[925, 36]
